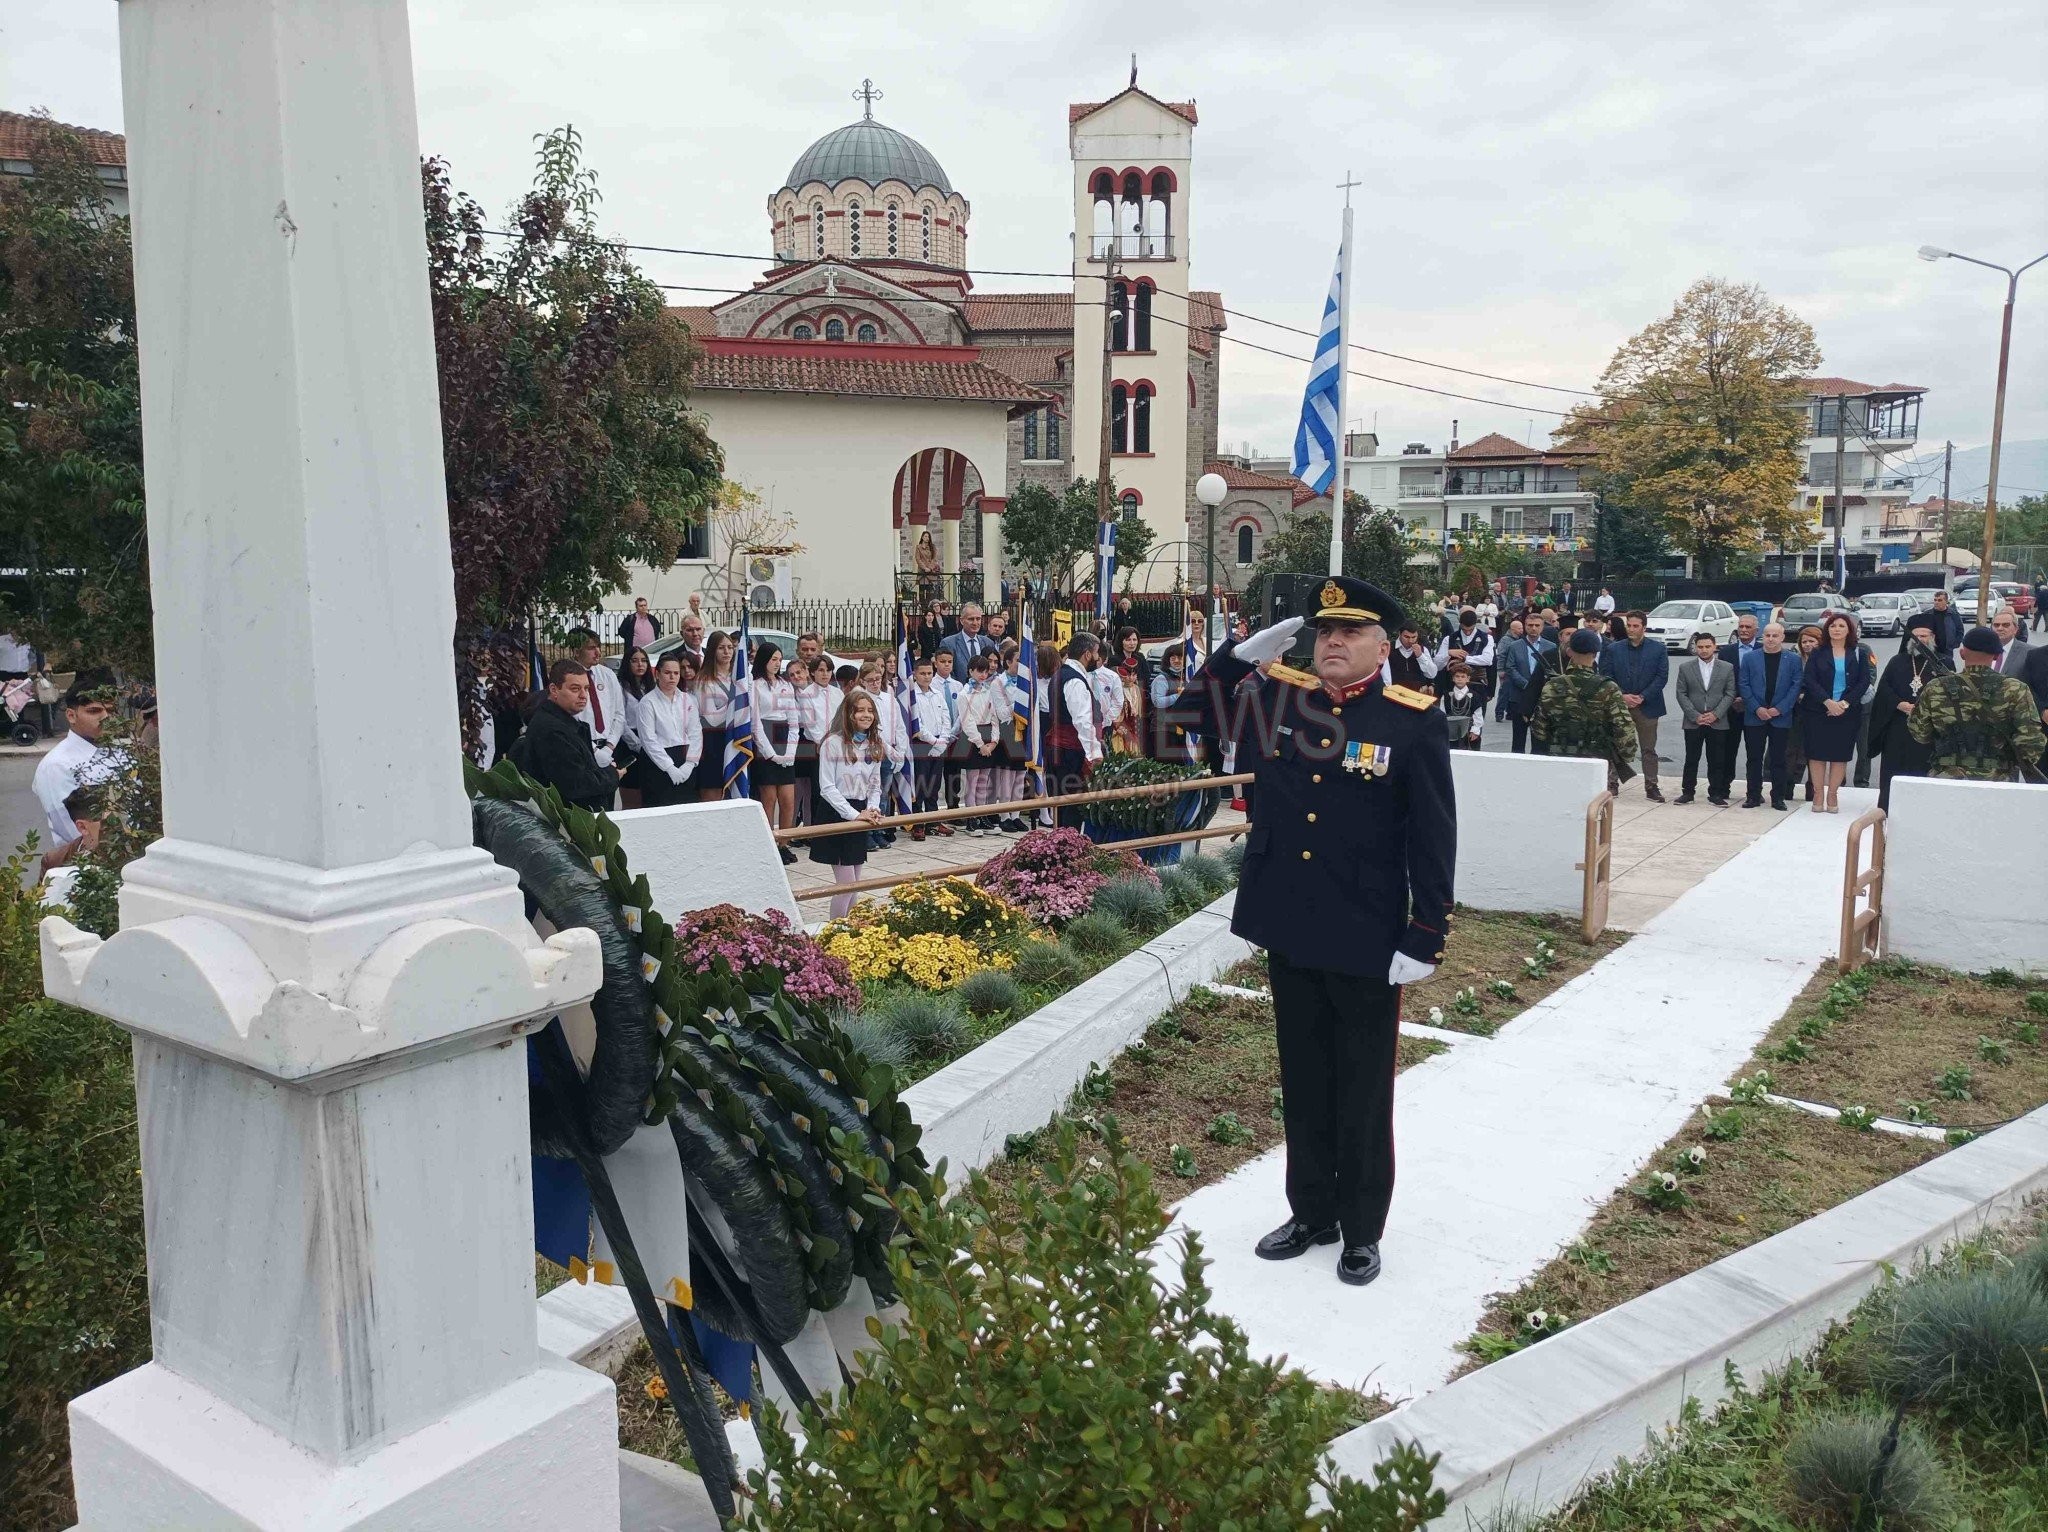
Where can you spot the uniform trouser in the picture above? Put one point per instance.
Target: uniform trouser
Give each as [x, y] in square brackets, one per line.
[1337, 1034]
[1718, 745]
[1646, 748]
[1767, 753]
[1069, 775]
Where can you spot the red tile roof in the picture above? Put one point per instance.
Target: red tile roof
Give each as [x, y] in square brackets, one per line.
[1205, 311]
[1495, 445]
[1079, 109]
[1031, 364]
[20, 132]
[1829, 387]
[1246, 478]
[1021, 311]
[698, 321]
[804, 371]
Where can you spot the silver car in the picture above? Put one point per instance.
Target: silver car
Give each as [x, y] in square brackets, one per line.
[1881, 613]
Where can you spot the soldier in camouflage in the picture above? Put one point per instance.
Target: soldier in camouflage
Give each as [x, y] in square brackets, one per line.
[1982, 726]
[1581, 713]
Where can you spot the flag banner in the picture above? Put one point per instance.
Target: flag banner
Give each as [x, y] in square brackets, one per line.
[1190, 656]
[1317, 441]
[1024, 695]
[739, 728]
[1841, 558]
[906, 787]
[1105, 566]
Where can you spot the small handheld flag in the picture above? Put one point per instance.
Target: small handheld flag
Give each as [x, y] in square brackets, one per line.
[739, 727]
[1024, 695]
[1105, 565]
[906, 791]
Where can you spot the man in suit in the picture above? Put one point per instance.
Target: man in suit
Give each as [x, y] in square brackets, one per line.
[1706, 701]
[556, 749]
[1526, 660]
[2012, 646]
[1640, 668]
[968, 641]
[2036, 678]
[1768, 680]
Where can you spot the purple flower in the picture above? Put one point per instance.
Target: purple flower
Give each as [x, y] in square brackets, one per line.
[758, 946]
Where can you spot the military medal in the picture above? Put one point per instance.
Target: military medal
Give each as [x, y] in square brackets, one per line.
[1354, 755]
[1382, 757]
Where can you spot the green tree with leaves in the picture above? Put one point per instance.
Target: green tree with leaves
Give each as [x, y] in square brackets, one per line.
[71, 512]
[1134, 539]
[1047, 534]
[2023, 523]
[1629, 542]
[1701, 421]
[1374, 549]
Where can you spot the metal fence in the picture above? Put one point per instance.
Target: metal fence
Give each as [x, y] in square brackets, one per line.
[858, 626]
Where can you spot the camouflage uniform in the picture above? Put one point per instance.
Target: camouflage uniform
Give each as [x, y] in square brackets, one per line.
[1581, 713]
[1983, 726]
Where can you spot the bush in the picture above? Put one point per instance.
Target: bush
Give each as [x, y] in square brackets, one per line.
[1050, 874]
[1139, 816]
[1835, 1466]
[1046, 965]
[875, 954]
[764, 952]
[991, 1402]
[74, 1299]
[1094, 935]
[1977, 1345]
[955, 907]
[989, 993]
[1134, 903]
[876, 1041]
[1184, 890]
[1233, 861]
[928, 1025]
[2030, 1266]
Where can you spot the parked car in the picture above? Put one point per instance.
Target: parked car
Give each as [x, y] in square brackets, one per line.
[1921, 597]
[1881, 614]
[782, 638]
[2003, 593]
[1675, 623]
[1808, 608]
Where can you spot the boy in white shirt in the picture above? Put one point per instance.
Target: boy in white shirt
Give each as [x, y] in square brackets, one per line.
[955, 688]
[933, 724]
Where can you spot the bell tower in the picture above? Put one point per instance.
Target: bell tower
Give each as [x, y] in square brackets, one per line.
[1132, 197]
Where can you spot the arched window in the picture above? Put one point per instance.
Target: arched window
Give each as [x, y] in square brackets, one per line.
[1244, 543]
[818, 229]
[1130, 215]
[802, 332]
[1103, 188]
[1141, 318]
[1158, 220]
[866, 331]
[835, 329]
[1119, 316]
[853, 216]
[1129, 504]
[1052, 434]
[1141, 418]
[1031, 436]
[895, 233]
[1119, 418]
[925, 235]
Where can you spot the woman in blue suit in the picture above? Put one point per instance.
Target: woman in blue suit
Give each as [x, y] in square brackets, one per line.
[1837, 675]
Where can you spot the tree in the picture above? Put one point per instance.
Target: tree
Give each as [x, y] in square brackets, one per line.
[1134, 541]
[1629, 541]
[1701, 421]
[71, 512]
[2023, 523]
[1374, 549]
[571, 452]
[1045, 534]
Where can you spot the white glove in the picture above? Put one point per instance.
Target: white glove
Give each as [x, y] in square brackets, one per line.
[1269, 643]
[603, 754]
[1407, 970]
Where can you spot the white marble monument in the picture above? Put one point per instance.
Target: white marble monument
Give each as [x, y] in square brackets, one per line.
[325, 981]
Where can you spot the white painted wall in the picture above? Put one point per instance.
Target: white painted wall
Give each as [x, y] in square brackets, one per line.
[1957, 857]
[699, 854]
[1522, 829]
[830, 461]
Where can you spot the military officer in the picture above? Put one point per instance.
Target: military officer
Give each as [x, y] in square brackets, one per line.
[1982, 725]
[1347, 885]
[1582, 713]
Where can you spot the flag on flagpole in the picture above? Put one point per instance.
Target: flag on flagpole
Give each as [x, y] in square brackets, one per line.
[739, 727]
[1024, 696]
[1841, 559]
[1319, 438]
[1105, 565]
[906, 789]
[1188, 651]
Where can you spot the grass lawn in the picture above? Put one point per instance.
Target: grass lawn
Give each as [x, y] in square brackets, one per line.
[1914, 1042]
[1485, 948]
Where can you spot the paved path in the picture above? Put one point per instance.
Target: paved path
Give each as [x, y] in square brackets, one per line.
[1507, 1145]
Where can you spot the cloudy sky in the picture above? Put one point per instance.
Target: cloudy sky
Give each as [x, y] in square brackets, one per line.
[1541, 178]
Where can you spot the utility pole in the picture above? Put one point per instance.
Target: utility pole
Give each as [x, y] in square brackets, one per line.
[1841, 499]
[2012, 283]
[1105, 508]
[1948, 462]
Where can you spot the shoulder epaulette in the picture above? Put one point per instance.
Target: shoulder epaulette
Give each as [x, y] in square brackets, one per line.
[1293, 677]
[1409, 697]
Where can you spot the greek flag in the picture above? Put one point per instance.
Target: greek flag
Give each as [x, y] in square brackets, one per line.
[1316, 441]
[1841, 559]
[1024, 695]
[739, 727]
[1105, 565]
[906, 788]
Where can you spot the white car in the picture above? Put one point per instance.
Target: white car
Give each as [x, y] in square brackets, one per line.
[1676, 623]
[1881, 613]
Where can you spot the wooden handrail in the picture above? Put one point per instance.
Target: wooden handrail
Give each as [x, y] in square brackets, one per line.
[1862, 929]
[1021, 806]
[967, 869]
[1598, 866]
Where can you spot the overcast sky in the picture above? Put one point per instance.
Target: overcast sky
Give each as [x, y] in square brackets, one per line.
[1540, 179]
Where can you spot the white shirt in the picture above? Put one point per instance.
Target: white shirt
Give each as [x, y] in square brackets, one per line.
[986, 706]
[605, 687]
[714, 702]
[1603, 602]
[15, 655]
[1706, 668]
[1108, 687]
[815, 706]
[933, 717]
[1478, 647]
[58, 775]
[843, 777]
[774, 712]
[660, 721]
[1079, 697]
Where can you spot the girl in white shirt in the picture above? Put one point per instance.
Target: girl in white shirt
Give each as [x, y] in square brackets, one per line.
[772, 774]
[849, 790]
[714, 695]
[664, 729]
[814, 699]
[984, 715]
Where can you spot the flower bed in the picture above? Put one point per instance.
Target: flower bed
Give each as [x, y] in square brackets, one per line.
[1053, 875]
[758, 947]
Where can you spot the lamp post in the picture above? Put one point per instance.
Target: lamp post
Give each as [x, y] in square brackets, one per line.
[2012, 285]
[1210, 489]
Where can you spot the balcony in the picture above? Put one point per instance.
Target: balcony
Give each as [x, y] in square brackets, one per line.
[1130, 247]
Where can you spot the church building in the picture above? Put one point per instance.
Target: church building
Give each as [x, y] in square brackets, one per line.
[863, 388]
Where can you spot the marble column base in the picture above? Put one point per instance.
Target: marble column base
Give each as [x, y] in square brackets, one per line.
[155, 1452]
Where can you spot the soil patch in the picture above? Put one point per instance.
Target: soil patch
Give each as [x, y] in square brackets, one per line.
[1915, 1042]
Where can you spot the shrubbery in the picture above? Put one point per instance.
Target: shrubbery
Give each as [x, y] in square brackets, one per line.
[763, 951]
[931, 935]
[1052, 875]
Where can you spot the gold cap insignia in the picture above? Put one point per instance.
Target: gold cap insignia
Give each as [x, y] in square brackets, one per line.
[1331, 594]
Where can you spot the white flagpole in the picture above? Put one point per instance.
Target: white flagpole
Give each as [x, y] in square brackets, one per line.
[1343, 385]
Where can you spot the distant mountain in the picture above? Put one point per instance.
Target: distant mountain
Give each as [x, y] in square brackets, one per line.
[2022, 471]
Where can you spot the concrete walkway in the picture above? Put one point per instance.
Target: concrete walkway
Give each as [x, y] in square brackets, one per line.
[1508, 1145]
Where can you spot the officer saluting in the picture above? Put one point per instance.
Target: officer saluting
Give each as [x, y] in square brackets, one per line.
[1347, 885]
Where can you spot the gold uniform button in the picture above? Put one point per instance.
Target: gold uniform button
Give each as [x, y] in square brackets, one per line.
[1317, 777]
[1336, 712]
[1306, 855]
[1311, 819]
[1326, 739]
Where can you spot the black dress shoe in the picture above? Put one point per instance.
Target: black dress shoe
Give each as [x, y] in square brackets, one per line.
[1653, 795]
[1682, 798]
[1294, 1238]
[1752, 803]
[1359, 1264]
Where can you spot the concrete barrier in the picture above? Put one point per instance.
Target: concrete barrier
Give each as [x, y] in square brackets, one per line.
[1962, 862]
[1522, 829]
[700, 854]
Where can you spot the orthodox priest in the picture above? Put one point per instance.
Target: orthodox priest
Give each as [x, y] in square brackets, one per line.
[1920, 659]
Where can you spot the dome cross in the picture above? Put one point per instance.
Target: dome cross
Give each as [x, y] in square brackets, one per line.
[867, 96]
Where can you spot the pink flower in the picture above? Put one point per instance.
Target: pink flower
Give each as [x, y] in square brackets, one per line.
[757, 947]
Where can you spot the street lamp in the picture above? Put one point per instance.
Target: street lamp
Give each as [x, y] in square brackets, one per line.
[2012, 285]
[1211, 489]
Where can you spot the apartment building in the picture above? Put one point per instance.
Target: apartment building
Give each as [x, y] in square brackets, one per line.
[1533, 497]
[1880, 430]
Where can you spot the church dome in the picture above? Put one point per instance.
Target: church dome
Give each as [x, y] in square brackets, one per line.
[868, 151]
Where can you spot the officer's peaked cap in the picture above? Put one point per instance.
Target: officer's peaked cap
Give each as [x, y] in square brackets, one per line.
[1343, 599]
